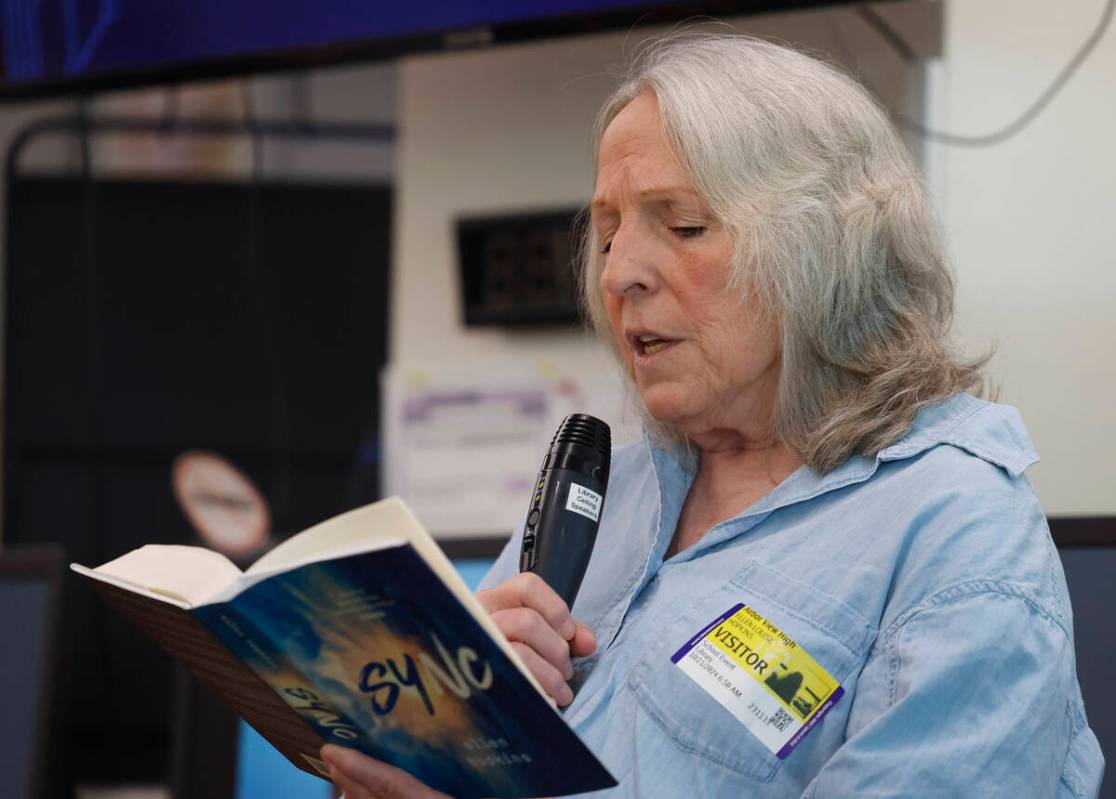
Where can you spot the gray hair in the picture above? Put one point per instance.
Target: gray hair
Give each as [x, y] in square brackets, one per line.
[832, 229]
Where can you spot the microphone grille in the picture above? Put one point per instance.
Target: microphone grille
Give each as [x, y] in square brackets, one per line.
[586, 430]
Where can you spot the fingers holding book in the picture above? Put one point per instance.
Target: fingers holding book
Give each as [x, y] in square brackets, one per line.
[363, 777]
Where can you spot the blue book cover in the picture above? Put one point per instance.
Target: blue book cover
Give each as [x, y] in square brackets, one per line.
[358, 632]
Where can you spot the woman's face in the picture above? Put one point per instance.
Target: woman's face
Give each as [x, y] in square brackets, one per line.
[702, 358]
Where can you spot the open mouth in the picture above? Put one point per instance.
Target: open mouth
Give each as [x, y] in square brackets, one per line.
[647, 345]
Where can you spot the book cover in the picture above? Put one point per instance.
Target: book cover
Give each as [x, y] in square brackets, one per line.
[375, 653]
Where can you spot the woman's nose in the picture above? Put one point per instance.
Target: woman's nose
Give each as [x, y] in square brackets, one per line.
[630, 266]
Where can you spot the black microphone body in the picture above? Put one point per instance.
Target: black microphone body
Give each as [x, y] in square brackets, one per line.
[566, 505]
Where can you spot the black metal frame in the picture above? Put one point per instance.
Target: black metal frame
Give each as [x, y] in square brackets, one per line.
[384, 49]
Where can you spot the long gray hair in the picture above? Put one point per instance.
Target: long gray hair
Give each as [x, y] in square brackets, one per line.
[832, 228]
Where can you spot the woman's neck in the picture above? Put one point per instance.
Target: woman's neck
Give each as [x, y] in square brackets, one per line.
[733, 474]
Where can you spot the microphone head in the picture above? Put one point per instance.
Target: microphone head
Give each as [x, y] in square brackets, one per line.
[586, 430]
[582, 443]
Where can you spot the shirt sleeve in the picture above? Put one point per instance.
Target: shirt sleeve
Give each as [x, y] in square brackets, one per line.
[969, 694]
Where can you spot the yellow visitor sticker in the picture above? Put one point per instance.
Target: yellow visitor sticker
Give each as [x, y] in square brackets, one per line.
[761, 676]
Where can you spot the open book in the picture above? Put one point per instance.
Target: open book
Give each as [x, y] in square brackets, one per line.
[358, 632]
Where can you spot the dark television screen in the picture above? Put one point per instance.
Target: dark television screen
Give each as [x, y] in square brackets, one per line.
[59, 46]
[52, 41]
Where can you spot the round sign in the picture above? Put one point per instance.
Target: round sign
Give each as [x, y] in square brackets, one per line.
[228, 512]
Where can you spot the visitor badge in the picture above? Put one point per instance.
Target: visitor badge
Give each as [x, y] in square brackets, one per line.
[761, 676]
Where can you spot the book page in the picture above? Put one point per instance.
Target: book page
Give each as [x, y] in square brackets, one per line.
[189, 575]
[388, 522]
[371, 527]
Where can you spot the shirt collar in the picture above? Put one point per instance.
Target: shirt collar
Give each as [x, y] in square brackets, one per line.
[989, 431]
[992, 432]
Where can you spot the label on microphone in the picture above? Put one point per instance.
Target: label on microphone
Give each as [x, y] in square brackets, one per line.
[585, 501]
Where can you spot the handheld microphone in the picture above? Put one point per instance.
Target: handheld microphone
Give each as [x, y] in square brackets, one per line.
[566, 504]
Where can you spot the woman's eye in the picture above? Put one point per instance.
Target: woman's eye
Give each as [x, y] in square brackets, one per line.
[688, 232]
[606, 248]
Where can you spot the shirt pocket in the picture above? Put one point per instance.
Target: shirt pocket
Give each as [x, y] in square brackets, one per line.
[832, 633]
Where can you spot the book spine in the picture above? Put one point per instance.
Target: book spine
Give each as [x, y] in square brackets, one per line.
[236, 631]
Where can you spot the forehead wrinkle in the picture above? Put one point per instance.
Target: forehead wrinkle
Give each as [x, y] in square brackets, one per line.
[666, 195]
[637, 164]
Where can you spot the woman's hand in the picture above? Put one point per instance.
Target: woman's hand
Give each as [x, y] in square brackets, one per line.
[363, 777]
[541, 630]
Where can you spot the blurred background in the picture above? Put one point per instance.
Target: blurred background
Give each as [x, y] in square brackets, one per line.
[263, 263]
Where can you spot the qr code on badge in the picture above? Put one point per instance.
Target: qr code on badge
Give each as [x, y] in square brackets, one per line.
[780, 720]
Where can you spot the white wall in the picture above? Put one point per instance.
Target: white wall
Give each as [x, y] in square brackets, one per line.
[492, 131]
[1032, 225]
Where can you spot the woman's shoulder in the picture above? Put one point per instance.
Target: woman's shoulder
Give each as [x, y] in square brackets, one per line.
[966, 454]
[974, 523]
[990, 431]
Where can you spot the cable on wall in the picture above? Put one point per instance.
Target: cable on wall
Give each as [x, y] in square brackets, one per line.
[884, 29]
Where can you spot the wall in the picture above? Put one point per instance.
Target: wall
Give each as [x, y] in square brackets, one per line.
[1032, 223]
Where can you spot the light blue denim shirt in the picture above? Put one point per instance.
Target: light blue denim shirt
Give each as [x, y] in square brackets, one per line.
[923, 579]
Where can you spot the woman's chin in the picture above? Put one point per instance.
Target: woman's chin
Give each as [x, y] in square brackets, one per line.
[665, 406]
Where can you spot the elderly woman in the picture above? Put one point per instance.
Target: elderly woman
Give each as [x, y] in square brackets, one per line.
[816, 499]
